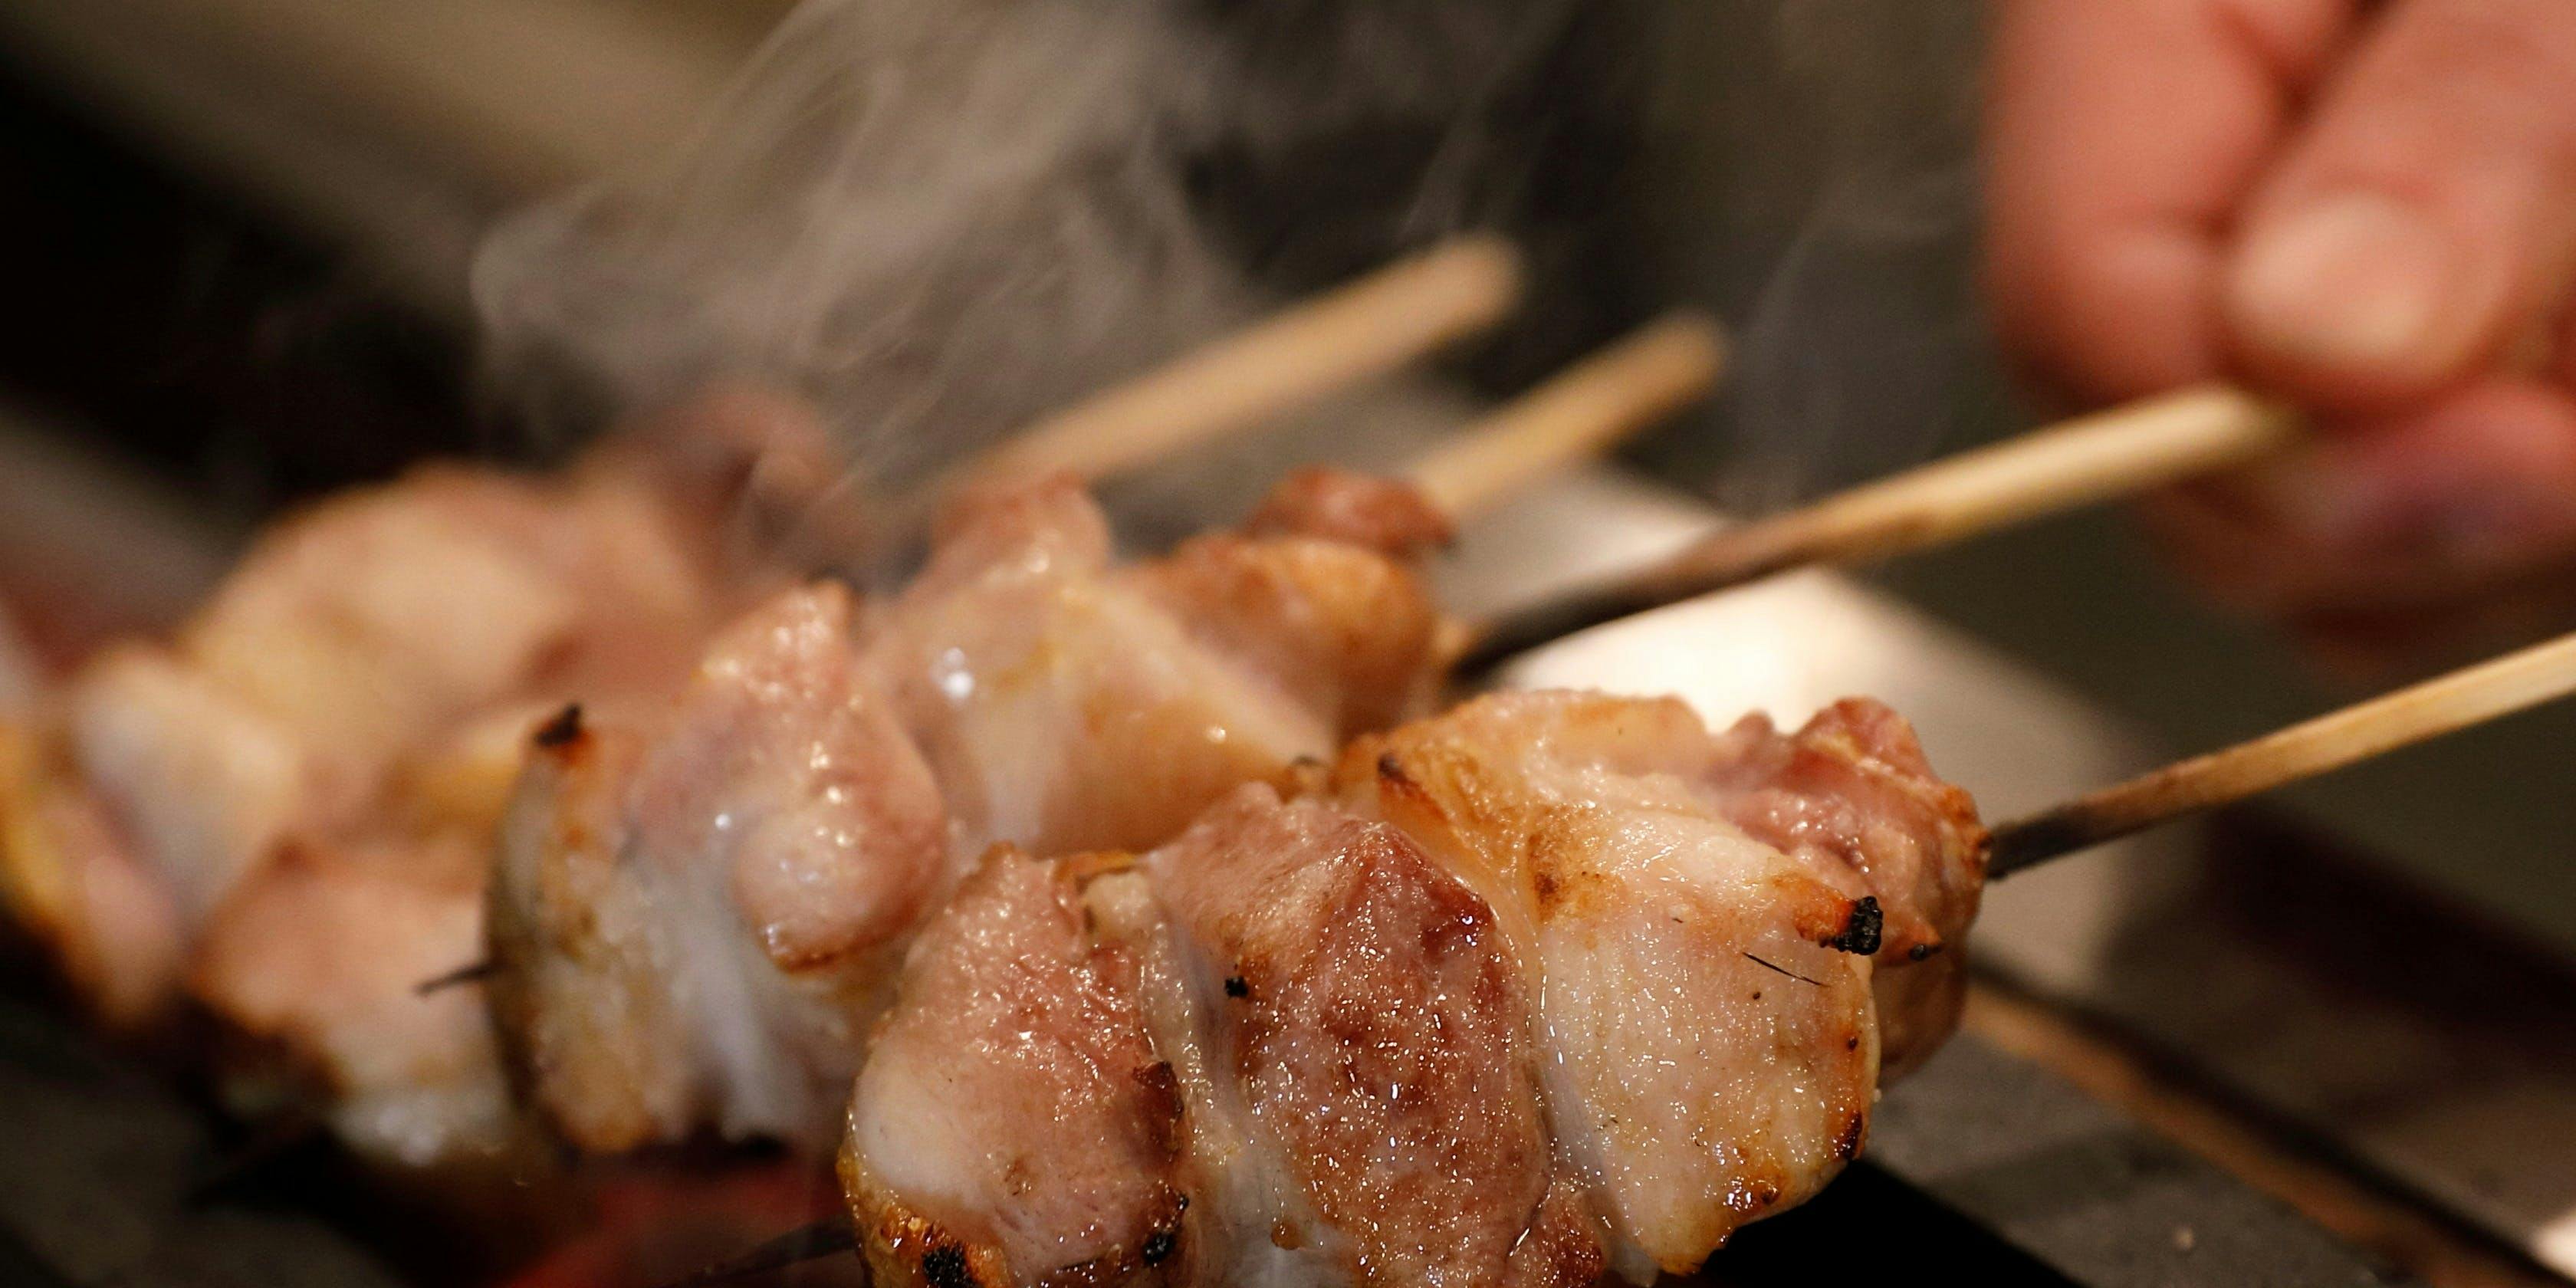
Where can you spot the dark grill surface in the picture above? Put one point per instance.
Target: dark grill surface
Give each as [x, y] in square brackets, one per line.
[1982, 1170]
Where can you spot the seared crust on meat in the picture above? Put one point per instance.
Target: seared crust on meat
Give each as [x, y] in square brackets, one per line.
[1852, 787]
[1351, 633]
[1713, 1050]
[1504, 997]
[1062, 707]
[1013, 1125]
[1376, 1034]
[573, 992]
[693, 913]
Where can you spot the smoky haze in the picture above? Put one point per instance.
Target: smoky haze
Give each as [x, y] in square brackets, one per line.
[938, 219]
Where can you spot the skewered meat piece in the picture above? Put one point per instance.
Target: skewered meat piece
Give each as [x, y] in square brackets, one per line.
[1504, 998]
[264, 792]
[321, 955]
[1016, 1097]
[1381, 514]
[1853, 786]
[203, 783]
[1055, 699]
[1068, 704]
[75, 884]
[1708, 994]
[1327, 960]
[356, 633]
[691, 908]
[1318, 593]
[1298, 962]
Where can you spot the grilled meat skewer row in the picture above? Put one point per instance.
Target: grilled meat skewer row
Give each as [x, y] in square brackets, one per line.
[699, 904]
[1552, 983]
[286, 809]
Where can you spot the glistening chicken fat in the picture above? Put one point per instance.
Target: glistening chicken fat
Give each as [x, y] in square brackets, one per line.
[699, 906]
[1505, 997]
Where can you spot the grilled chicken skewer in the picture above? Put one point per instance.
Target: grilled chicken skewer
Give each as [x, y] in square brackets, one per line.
[408, 632]
[695, 904]
[1271, 1051]
[286, 809]
[349, 655]
[373, 793]
[1550, 983]
[696, 907]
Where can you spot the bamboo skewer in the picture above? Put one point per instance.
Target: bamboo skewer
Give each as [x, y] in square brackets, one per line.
[1362, 330]
[2515, 682]
[1578, 413]
[2078, 462]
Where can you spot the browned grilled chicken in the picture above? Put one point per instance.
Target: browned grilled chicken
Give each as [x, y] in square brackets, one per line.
[1070, 703]
[1509, 996]
[349, 643]
[287, 806]
[698, 909]
[692, 906]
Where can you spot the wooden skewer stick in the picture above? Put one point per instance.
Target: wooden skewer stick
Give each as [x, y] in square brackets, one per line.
[1576, 414]
[2078, 462]
[1365, 329]
[2447, 704]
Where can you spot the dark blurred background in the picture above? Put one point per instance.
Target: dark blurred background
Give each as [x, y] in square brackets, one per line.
[239, 236]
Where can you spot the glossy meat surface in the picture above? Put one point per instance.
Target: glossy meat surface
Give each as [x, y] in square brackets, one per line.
[1013, 1124]
[786, 761]
[1052, 696]
[694, 907]
[1852, 787]
[1063, 705]
[1714, 1055]
[1359, 1006]
[1507, 998]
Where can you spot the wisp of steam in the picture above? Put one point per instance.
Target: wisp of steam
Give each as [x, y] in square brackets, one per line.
[939, 219]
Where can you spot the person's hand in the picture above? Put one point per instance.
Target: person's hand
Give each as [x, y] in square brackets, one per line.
[2369, 208]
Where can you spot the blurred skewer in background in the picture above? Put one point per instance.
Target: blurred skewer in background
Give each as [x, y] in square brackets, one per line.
[2092, 458]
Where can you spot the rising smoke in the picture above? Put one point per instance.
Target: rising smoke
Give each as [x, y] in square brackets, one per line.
[938, 219]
